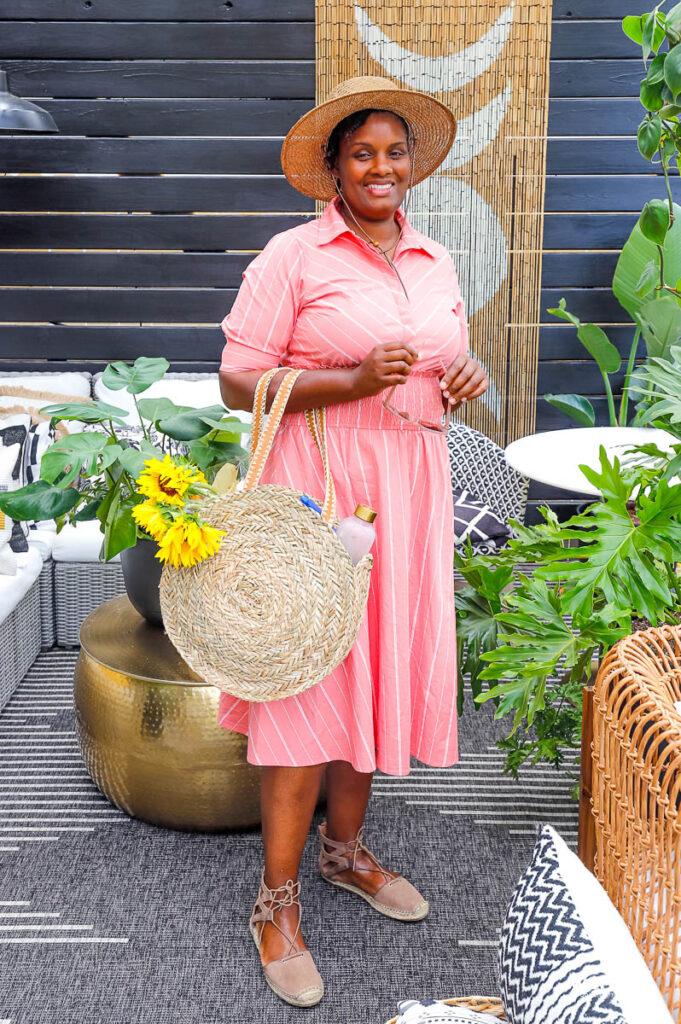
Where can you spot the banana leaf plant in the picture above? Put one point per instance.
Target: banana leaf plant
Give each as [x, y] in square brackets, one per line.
[527, 642]
[92, 474]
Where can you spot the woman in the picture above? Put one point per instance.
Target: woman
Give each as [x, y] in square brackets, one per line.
[364, 302]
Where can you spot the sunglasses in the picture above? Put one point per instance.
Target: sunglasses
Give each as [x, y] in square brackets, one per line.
[438, 427]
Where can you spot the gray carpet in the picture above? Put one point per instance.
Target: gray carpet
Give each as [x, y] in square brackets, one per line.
[107, 920]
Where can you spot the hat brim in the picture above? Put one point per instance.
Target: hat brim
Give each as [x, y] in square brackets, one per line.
[432, 123]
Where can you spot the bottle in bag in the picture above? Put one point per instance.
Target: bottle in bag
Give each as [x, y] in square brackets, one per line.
[357, 532]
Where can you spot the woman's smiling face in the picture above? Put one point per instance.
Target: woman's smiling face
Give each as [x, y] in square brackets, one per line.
[373, 165]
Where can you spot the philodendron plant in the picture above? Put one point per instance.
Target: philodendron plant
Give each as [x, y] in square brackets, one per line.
[529, 647]
[107, 466]
[647, 280]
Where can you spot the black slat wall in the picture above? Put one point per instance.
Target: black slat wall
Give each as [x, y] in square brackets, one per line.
[126, 234]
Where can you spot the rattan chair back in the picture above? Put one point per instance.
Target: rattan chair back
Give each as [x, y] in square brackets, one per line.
[637, 795]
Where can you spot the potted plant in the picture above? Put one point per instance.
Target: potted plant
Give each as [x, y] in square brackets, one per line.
[141, 495]
[530, 647]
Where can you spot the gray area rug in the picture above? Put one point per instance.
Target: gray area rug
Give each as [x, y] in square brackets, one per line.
[107, 920]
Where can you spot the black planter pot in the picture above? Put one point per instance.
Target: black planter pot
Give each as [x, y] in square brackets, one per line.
[142, 575]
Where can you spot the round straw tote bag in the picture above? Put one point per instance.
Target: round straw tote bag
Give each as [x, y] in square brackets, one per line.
[279, 605]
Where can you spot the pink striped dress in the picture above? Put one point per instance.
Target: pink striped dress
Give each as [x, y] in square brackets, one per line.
[318, 295]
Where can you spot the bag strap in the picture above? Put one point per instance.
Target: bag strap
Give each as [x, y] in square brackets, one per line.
[262, 438]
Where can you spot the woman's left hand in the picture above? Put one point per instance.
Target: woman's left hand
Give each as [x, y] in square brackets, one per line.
[463, 380]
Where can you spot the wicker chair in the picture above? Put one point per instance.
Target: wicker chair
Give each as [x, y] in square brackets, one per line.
[481, 1004]
[636, 794]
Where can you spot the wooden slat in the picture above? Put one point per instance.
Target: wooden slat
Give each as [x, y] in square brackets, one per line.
[564, 193]
[159, 10]
[166, 40]
[153, 195]
[578, 269]
[592, 39]
[596, 77]
[223, 270]
[107, 343]
[239, 156]
[587, 230]
[561, 342]
[181, 117]
[127, 270]
[141, 156]
[128, 305]
[579, 377]
[594, 116]
[597, 304]
[83, 79]
[597, 9]
[132, 231]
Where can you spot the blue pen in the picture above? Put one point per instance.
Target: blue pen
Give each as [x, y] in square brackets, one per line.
[307, 500]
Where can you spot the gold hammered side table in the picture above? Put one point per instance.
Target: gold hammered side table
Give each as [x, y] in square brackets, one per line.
[148, 729]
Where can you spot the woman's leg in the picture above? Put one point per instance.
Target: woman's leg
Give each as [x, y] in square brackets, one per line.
[288, 797]
[347, 796]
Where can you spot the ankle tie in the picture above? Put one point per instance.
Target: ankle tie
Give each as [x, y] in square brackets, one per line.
[339, 851]
[290, 891]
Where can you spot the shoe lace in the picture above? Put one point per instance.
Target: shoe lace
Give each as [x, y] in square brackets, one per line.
[356, 845]
[272, 901]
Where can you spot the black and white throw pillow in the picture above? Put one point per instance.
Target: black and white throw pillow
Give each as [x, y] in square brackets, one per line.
[566, 955]
[13, 434]
[474, 519]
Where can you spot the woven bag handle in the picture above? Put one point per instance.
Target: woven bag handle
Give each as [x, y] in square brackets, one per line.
[262, 439]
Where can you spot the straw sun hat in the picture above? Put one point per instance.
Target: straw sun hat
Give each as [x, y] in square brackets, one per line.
[302, 155]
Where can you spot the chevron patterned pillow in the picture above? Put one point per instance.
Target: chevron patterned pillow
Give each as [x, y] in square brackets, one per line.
[566, 956]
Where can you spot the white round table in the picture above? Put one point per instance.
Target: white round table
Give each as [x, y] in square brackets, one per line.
[554, 457]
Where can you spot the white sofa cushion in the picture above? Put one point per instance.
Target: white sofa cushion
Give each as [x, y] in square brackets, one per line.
[43, 541]
[13, 588]
[80, 542]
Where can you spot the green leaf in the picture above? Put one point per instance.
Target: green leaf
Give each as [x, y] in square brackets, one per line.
[596, 342]
[120, 530]
[87, 512]
[38, 500]
[64, 459]
[562, 312]
[648, 279]
[654, 220]
[87, 412]
[136, 378]
[673, 25]
[656, 69]
[672, 70]
[576, 406]
[132, 461]
[636, 254]
[660, 322]
[632, 27]
[651, 94]
[648, 136]
[191, 424]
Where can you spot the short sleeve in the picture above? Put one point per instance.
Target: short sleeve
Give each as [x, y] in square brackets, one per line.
[260, 323]
[459, 309]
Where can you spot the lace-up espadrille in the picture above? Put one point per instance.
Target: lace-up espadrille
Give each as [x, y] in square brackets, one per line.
[293, 977]
[395, 898]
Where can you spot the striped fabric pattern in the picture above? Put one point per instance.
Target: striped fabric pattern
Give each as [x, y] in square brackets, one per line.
[320, 296]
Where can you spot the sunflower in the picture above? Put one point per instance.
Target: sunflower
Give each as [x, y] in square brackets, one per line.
[150, 518]
[166, 481]
[187, 542]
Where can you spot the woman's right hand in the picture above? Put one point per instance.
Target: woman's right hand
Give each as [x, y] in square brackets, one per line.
[387, 364]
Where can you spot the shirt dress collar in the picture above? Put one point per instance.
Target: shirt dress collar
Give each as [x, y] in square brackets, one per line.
[331, 224]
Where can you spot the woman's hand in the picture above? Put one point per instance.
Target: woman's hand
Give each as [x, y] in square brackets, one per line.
[463, 380]
[386, 364]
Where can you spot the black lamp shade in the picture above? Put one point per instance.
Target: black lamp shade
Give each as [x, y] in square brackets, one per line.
[18, 115]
